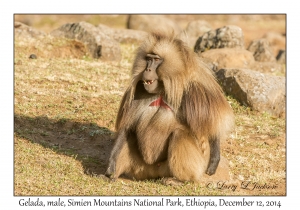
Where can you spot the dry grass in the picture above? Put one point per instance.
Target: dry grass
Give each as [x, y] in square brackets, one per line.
[65, 110]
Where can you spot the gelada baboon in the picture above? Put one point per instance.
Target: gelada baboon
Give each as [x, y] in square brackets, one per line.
[172, 116]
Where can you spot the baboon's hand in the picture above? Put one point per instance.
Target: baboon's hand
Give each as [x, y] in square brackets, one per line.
[210, 171]
[214, 158]
[110, 170]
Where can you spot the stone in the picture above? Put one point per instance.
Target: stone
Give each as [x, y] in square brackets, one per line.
[195, 29]
[98, 43]
[228, 58]
[261, 92]
[281, 57]
[226, 37]
[123, 35]
[261, 50]
[277, 41]
[42, 45]
[273, 68]
[238, 58]
[151, 23]
[25, 31]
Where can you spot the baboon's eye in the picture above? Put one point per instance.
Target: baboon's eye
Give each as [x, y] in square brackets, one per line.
[156, 59]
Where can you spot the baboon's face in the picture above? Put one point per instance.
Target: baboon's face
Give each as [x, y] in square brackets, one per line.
[150, 77]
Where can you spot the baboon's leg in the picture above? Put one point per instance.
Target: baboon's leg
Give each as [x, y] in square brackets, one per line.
[140, 170]
[126, 159]
[188, 157]
[115, 168]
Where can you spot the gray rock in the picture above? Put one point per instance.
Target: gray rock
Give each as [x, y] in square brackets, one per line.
[151, 23]
[25, 31]
[238, 58]
[228, 58]
[273, 68]
[41, 45]
[277, 41]
[195, 29]
[98, 43]
[275, 38]
[123, 35]
[261, 92]
[226, 37]
[281, 57]
[261, 50]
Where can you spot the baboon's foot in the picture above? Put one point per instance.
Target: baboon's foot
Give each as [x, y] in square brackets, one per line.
[106, 178]
[171, 181]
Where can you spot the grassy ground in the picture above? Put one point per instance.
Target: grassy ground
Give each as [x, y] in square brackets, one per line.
[65, 110]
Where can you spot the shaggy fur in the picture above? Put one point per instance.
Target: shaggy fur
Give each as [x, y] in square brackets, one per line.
[183, 141]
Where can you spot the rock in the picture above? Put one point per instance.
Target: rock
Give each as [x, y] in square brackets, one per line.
[151, 23]
[261, 50]
[281, 57]
[238, 58]
[261, 92]
[226, 37]
[33, 42]
[228, 58]
[123, 35]
[24, 31]
[98, 43]
[129, 36]
[195, 29]
[273, 68]
[106, 29]
[33, 56]
[269, 142]
[275, 39]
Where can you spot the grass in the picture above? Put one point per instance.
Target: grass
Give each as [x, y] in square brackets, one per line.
[65, 111]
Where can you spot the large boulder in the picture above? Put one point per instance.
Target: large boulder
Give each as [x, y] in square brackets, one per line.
[273, 68]
[228, 58]
[123, 35]
[194, 29]
[197, 28]
[25, 31]
[98, 43]
[261, 50]
[261, 92]
[226, 37]
[277, 41]
[37, 44]
[151, 23]
[238, 58]
[275, 38]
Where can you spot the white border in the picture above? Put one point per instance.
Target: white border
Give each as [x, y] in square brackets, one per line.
[116, 7]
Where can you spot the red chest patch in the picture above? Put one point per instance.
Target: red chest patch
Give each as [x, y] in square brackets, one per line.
[160, 102]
